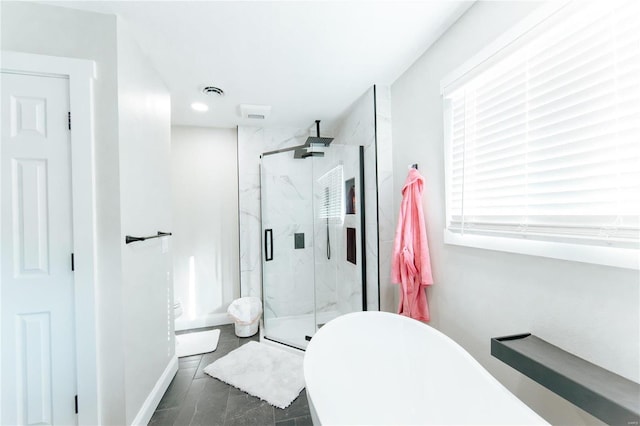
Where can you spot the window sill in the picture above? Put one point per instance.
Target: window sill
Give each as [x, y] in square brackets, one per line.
[609, 256]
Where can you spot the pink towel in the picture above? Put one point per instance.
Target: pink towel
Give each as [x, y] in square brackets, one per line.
[411, 266]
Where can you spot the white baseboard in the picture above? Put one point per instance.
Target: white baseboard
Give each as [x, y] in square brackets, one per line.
[151, 403]
[208, 320]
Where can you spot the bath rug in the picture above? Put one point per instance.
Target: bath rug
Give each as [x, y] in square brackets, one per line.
[271, 374]
[196, 343]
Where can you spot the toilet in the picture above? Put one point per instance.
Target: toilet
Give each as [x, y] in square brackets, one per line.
[177, 310]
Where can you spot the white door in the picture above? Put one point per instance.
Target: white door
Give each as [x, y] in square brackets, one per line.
[38, 365]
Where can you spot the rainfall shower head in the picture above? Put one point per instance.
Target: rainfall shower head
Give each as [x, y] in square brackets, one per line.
[302, 153]
[312, 143]
[317, 140]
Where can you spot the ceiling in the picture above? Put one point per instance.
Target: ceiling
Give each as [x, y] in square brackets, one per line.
[307, 59]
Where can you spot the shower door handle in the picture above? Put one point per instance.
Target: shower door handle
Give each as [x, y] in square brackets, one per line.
[268, 245]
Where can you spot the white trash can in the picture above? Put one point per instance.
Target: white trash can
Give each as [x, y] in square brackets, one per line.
[246, 313]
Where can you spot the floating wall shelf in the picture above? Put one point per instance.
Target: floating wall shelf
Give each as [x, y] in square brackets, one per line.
[606, 395]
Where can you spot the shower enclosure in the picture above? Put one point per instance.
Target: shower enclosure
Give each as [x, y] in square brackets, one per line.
[313, 239]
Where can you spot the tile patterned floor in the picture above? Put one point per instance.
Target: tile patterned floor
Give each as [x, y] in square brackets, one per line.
[194, 398]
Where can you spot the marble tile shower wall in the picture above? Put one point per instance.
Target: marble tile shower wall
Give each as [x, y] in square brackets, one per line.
[368, 123]
[357, 128]
[338, 282]
[349, 276]
[286, 187]
[325, 269]
[252, 142]
[386, 215]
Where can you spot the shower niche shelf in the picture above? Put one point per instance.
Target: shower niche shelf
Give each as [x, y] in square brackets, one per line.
[606, 395]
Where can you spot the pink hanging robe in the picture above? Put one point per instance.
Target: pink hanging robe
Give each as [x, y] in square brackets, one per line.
[411, 267]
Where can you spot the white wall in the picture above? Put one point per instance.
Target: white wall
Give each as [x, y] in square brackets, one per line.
[48, 30]
[204, 181]
[144, 111]
[589, 310]
[132, 188]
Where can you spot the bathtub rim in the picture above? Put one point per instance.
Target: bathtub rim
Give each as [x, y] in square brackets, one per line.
[316, 417]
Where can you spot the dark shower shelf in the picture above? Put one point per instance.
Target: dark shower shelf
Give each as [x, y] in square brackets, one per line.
[606, 395]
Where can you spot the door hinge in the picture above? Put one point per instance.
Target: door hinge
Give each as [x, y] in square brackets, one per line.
[69, 118]
[73, 264]
[76, 401]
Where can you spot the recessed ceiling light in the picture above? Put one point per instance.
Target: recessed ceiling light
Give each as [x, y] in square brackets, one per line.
[199, 106]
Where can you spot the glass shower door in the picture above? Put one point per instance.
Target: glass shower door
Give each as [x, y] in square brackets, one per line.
[287, 249]
[313, 263]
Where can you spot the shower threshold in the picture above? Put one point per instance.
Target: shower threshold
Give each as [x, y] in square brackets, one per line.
[293, 330]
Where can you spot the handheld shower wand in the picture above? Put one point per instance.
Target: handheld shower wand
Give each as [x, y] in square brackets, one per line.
[326, 203]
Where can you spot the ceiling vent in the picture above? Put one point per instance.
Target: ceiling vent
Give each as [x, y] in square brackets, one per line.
[256, 112]
[211, 90]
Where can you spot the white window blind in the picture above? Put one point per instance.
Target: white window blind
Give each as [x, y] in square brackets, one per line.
[544, 140]
[331, 195]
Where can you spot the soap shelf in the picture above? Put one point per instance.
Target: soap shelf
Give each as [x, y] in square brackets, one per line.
[606, 395]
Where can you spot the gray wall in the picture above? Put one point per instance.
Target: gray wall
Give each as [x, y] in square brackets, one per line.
[589, 310]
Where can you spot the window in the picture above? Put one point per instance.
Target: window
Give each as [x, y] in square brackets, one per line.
[542, 134]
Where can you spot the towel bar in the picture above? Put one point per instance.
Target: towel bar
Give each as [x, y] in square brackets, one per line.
[129, 239]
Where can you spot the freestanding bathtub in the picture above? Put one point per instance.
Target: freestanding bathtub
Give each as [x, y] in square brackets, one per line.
[378, 368]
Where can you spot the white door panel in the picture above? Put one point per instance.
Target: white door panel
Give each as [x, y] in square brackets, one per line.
[38, 366]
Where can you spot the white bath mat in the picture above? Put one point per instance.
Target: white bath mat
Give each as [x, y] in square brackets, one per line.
[269, 373]
[196, 343]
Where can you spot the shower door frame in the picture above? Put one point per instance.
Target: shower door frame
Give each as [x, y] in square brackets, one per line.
[263, 252]
[363, 241]
[363, 230]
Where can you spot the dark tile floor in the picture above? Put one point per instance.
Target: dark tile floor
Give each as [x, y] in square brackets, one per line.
[195, 398]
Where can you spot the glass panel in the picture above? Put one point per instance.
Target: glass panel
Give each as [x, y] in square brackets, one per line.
[337, 228]
[312, 261]
[288, 272]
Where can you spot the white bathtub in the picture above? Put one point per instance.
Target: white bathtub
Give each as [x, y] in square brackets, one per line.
[379, 368]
